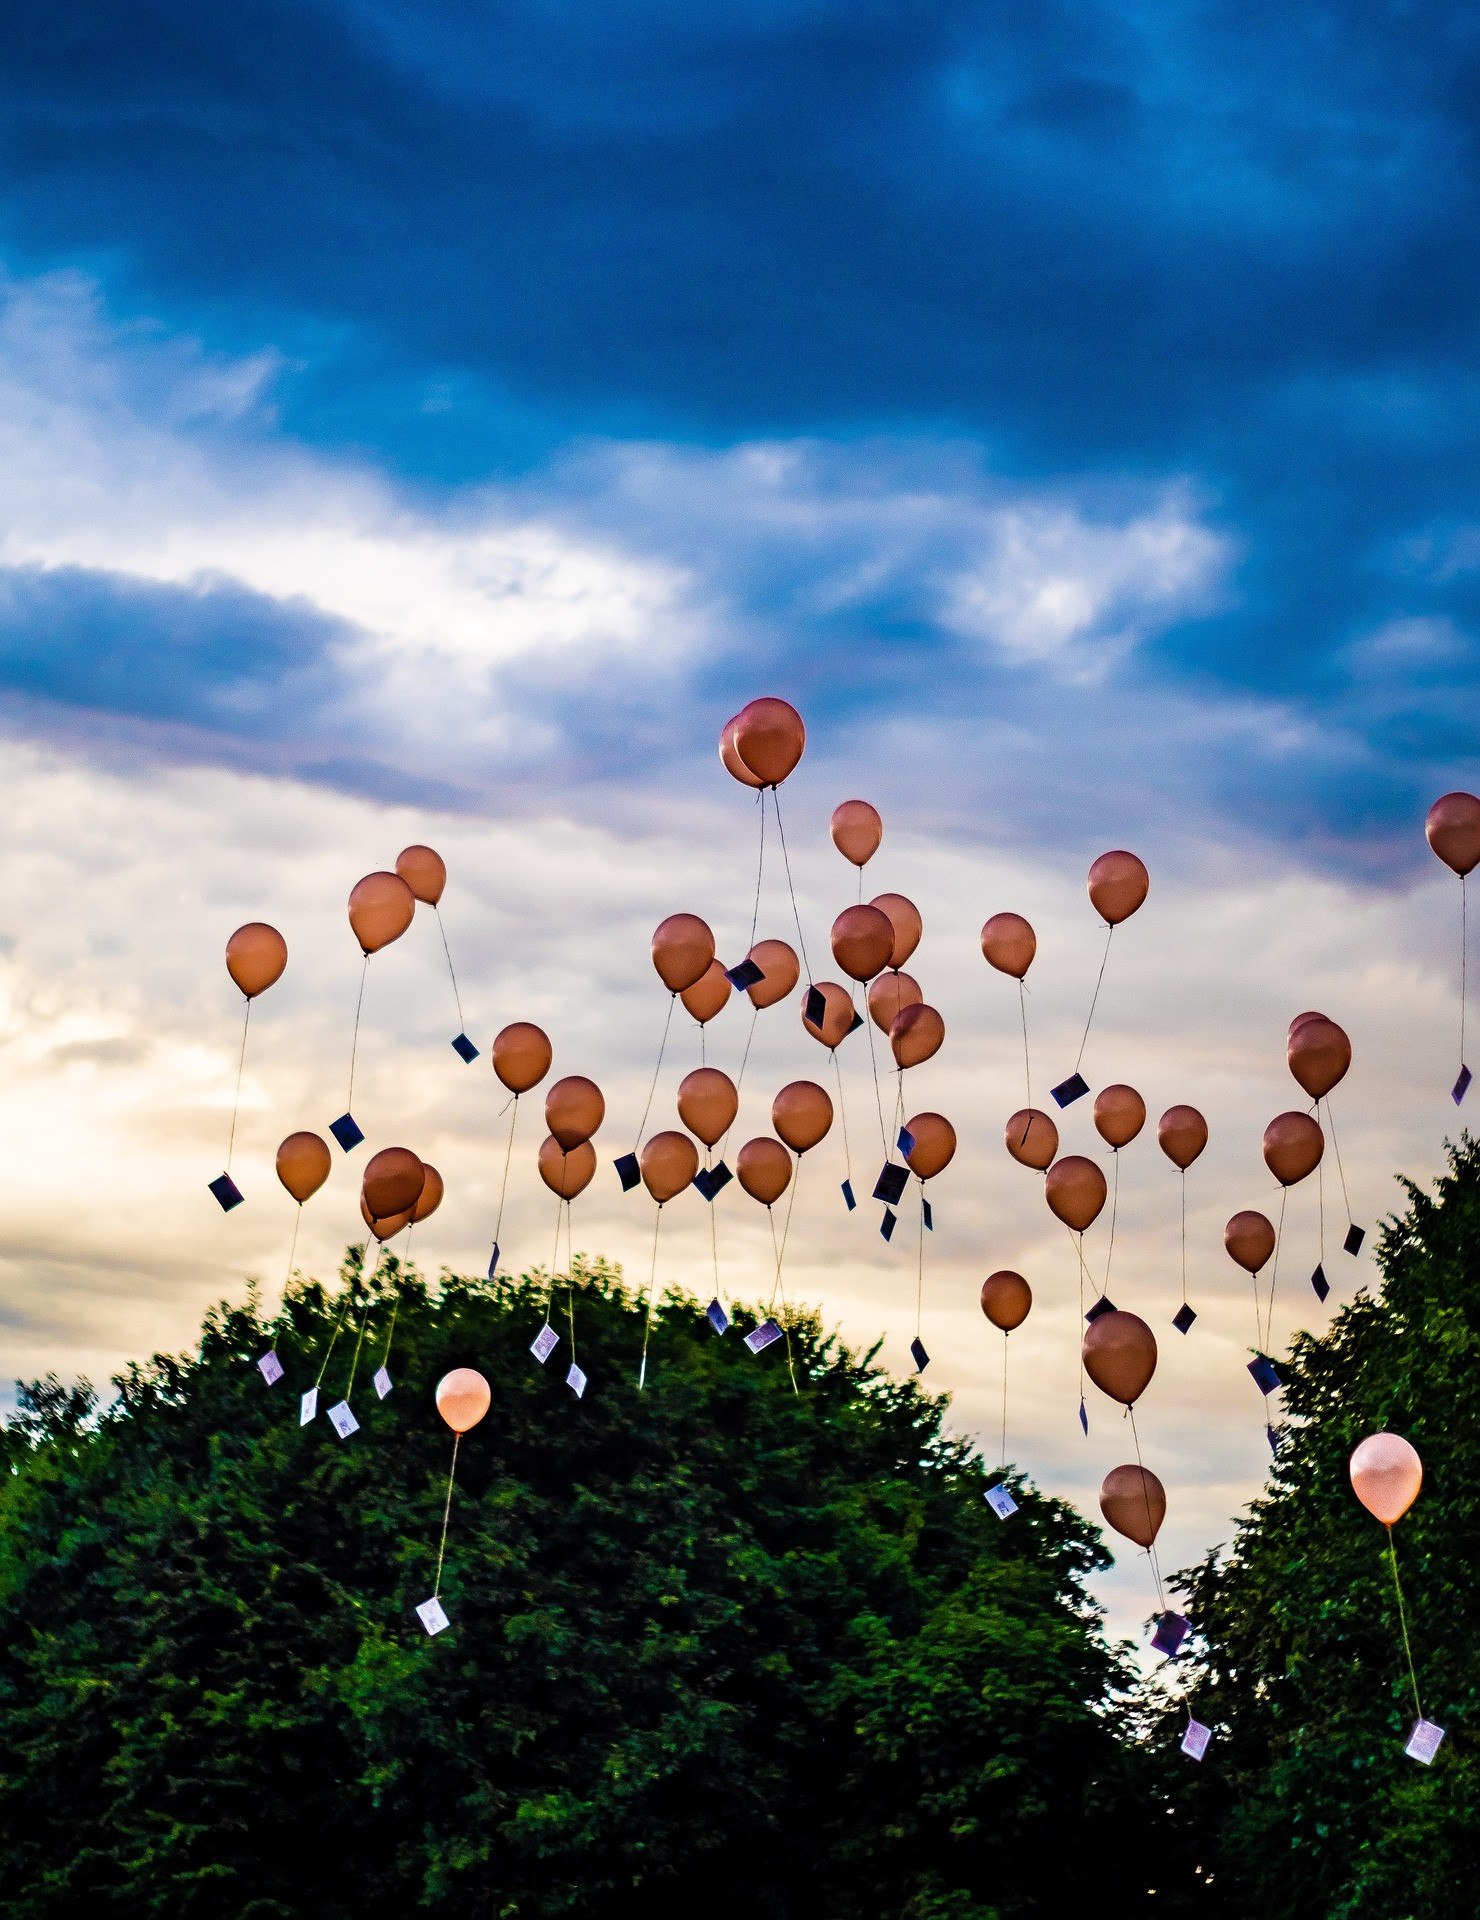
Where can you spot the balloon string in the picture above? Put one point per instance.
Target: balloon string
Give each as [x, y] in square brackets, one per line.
[452, 971]
[570, 1305]
[241, 1061]
[1078, 1241]
[1403, 1620]
[292, 1250]
[1184, 1235]
[920, 1269]
[354, 1045]
[1464, 956]
[1099, 982]
[365, 1316]
[446, 1515]
[1114, 1211]
[1004, 1399]
[343, 1310]
[1274, 1271]
[555, 1254]
[873, 1061]
[662, 1049]
[843, 1116]
[1336, 1149]
[652, 1283]
[785, 1233]
[780, 1253]
[498, 1225]
[755, 1014]
[1321, 1209]
[760, 868]
[786, 859]
[1161, 1599]
[1027, 1068]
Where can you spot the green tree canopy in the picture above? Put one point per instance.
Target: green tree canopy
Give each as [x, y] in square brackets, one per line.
[719, 1644]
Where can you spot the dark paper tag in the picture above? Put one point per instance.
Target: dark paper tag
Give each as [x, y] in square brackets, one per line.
[628, 1171]
[227, 1193]
[1171, 1631]
[763, 1336]
[918, 1354]
[1083, 1417]
[1103, 1305]
[713, 1180]
[346, 1132]
[493, 1261]
[715, 1314]
[747, 974]
[1070, 1090]
[891, 1183]
[1320, 1285]
[926, 1215]
[1183, 1318]
[906, 1142]
[815, 1011]
[848, 1199]
[1355, 1235]
[856, 1023]
[463, 1047]
[1265, 1374]
[888, 1224]
[1461, 1086]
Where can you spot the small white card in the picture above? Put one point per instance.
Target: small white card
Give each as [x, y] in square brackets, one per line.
[544, 1343]
[271, 1368]
[1195, 1740]
[431, 1615]
[308, 1406]
[1424, 1742]
[1001, 1502]
[576, 1380]
[383, 1382]
[343, 1421]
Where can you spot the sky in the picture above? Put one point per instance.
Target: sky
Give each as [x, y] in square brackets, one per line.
[431, 423]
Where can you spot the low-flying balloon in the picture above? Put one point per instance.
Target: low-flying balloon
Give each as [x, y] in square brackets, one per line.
[1386, 1476]
[888, 995]
[1293, 1145]
[709, 994]
[1182, 1133]
[1453, 831]
[802, 1114]
[303, 1164]
[856, 831]
[393, 1182]
[904, 916]
[430, 1197]
[566, 1174]
[668, 1162]
[1120, 1355]
[424, 871]
[463, 1397]
[255, 957]
[1249, 1238]
[935, 1144]
[1032, 1138]
[388, 1228]
[769, 739]
[707, 1103]
[862, 941]
[837, 1015]
[1006, 1298]
[1075, 1190]
[683, 947]
[916, 1034]
[381, 908]
[1120, 1114]
[1319, 1054]
[1009, 944]
[574, 1110]
[1118, 883]
[779, 964]
[1134, 1502]
[763, 1168]
[522, 1056]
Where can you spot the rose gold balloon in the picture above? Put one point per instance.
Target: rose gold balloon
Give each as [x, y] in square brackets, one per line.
[917, 1033]
[708, 995]
[393, 1182]
[707, 1103]
[1134, 1502]
[779, 964]
[889, 995]
[1118, 883]
[1182, 1133]
[463, 1397]
[1006, 1298]
[802, 1113]
[522, 1056]
[1120, 1114]
[1075, 1191]
[763, 1168]
[574, 1110]
[566, 1174]
[303, 1163]
[1386, 1476]
[731, 760]
[862, 941]
[837, 1018]
[1301, 1018]
[683, 948]
[904, 916]
[935, 1144]
[1249, 1238]
[1009, 943]
[255, 957]
[1120, 1355]
[1319, 1054]
[384, 1229]
[1293, 1145]
[1453, 831]
[1032, 1138]
[424, 872]
[431, 1195]
[381, 907]
[856, 831]
[769, 738]
[669, 1162]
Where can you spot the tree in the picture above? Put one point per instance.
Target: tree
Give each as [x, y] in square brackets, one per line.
[719, 1643]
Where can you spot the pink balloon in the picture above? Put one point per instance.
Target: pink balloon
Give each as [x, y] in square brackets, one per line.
[1386, 1476]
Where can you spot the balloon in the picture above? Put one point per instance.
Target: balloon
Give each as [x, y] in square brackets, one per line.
[779, 964]
[1182, 1133]
[255, 956]
[707, 1103]
[935, 1144]
[1075, 1191]
[888, 996]
[862, 941]
[521, 1056]
[424, 872]
[381, 907]
[1249, 1238]
[463, 1397]
[566, 1173]
[731, 759]
[388, 1228]
[1453, 831]
[393, 1182]
[1319, 1054]
[574, 1110]
[1293, 1145]
[1134, 1502]
[1386, 1476]
[856, 831]
[1009, 943]
[1120, 1114]
[802, 1113]
[683, 947]
[837, 1017]
[1118, 883]
[1300, 1019]
[708, 994]
[763, 1168]
[303, 1163]
[1032, 1138]
[431, 1195]
[904, 916]
[1120, 1355]
[669, 1163]
[917, 1033]
[769, 738]
[1006, 1298]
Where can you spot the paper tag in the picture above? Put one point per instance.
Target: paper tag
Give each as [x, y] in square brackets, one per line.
[1461, 1086]
[432, 1616]
[1083, 1416]
[1070, 1090]
[762, 1336]
[270, 1367]
[1183, 1318]
[1424, 1742]
[308, 1406]
[715, 1314]
[1171, 1631]
[918, 1354]
[493, 1261]
[1001, 1502]
[226, 1192]
[848, 1195]
[342, 1420]
[383, 1382]
[1195, 1740]
[544, 1343]
[576, 1380]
